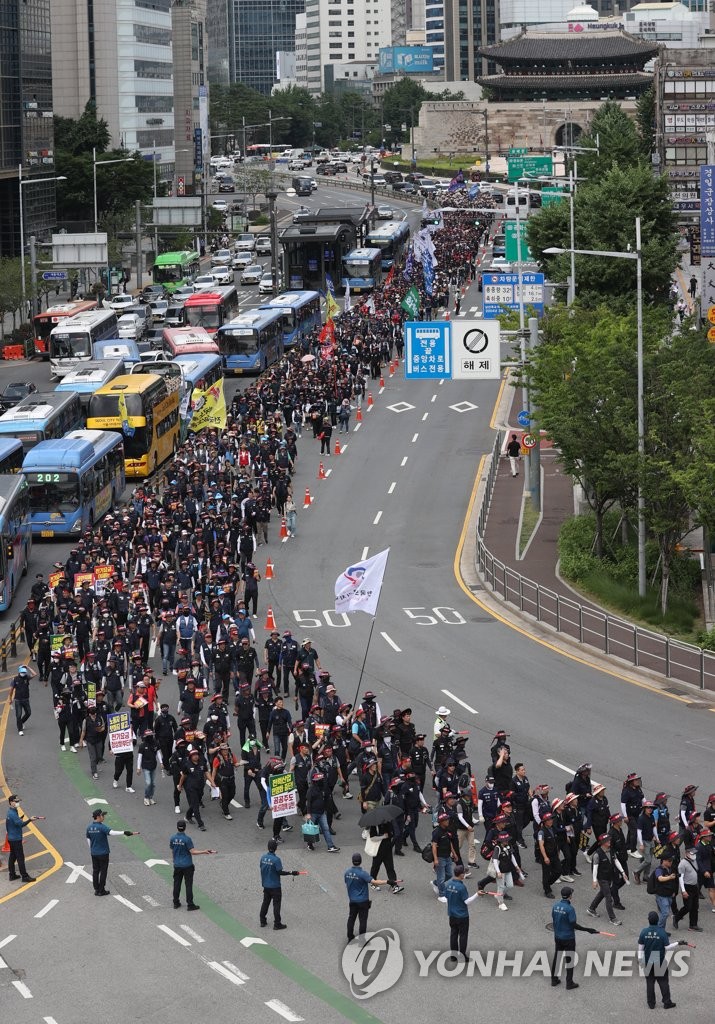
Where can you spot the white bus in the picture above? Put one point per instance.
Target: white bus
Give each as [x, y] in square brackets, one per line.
[71, 342]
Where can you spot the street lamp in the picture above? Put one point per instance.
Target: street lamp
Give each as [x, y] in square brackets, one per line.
[637, 256]
[100, 163]
[21, 184]
[271, 196]
[485, 115]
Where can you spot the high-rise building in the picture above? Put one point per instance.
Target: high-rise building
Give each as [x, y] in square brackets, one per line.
[338, 32]
[455, 29]
[258, 29]
[217, 35]
[26, 133]
[190, 93]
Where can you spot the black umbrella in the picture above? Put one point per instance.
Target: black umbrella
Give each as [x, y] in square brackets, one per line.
[379, 815]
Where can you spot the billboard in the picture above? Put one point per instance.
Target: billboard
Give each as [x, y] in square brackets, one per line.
[410, 60]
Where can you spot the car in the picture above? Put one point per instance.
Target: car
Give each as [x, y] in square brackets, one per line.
[175, 315]
[220, 205]
[15, 392]
[154, 354]
[120, 303]
[207, 280]
[263, 245]
[183, 293]
[314, 184]
[223, 275]
[384, 212]
[252, 274]
[415, 177]
[227, 185]
[303, 213]
[340, 166]
[378, 180]
[155, 337]
[144, 312]
[241, 260]
[221, 258]
[406, 188]
[322, 157]
[246, 242]
[149, 293]
[296, 165]
[130, 326]
[158, 309]
[391, 176]
[500, 264]
[327, 170]
[265, 285]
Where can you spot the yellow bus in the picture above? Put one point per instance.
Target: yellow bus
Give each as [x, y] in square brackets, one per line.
[142, 409]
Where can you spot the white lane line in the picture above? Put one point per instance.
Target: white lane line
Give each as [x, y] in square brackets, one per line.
[2, 963]
[7, 940]
[127, 903]
[563, 767]
[49, 1020]
[47, 908]
[190, 931]
[441, 383]
[77, 871]
[392, 486]
[151, 901]
[127, 880]
[415, 438]
[152, 863]
[377, 519]
[328, 472]
[452, 696]
[369, 408]
[235, 803]
[425, 416]
[404, 461]
[251, 940]
[224, 972]
[173, 935]
[391, 642]
[363, 556]
[356, 427]
[23, 989]
[97, 800]
[283, 1011]
[433, 398]
[344, 447]
[235, 971]
[380, 391]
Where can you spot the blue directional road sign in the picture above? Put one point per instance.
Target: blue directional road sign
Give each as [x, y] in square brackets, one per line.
[54, 275]
[523, 419]
[502, 291]
[427, 350]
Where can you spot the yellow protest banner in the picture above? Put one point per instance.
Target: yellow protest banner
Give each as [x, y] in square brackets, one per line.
[208, 408]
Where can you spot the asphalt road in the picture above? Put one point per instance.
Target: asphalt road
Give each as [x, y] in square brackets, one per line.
[405, 482]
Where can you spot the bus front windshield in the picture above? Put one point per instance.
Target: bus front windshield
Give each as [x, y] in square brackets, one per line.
[106, 407]
[54, 492]
[68, 346]
[203, 316]
[239, 344]
[136, 446]
[358, 268]
[169, 274]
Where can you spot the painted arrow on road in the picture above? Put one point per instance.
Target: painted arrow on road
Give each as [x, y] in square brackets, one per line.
[77, 871]
[251, 940]
[97, 800]
[153, 863]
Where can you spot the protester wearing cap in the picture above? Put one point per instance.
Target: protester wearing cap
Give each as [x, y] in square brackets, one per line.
[14, 825]
[645, 838]
[183, 852]
[20, 696]
[97, 838]
[632, 798]
[687, 804]
[653, 942]
[443, 714]
[666, 886]
[288, 658]
[548, 848]
[598, 815]
[606, 866]
[271, 868]
[445, 852]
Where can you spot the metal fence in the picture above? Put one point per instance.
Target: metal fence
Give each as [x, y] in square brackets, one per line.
[8, 645]
[608, 634]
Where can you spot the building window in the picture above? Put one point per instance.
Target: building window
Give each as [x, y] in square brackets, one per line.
[154, 104]
[152, 69]
[151, 34]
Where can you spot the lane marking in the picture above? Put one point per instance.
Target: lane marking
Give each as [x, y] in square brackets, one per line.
[97, 800]
[415, 438]
[283, 1011]
[391, 642]
[433, 398]
[356, 427]
[49, 1020]
[152, 863]
[453, 696]
[2, 963]
[22, 989]
[364, 553]
[344, 447]
[224, 972]
[127, 880]
[173, 935]
[127, 903]
[392, 486]
[235, 971]
[47, 908]
[404, 460]
[328, 472]
[235, 803]
[425, 416]
[76, 871]
[151, 901]
[7, 940]
[369, 408]
[377, 519]
[380, 391]
[190, 931]
[563, 767]
[441, 383]
[252, 940]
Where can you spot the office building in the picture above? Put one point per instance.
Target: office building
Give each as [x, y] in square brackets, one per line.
[257, 30]
[337, 33]
[217, 36]
[455, 30]
[190, 94]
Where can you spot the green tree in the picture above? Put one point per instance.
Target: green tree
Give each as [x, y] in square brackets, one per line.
[645, 120]
[618, 142]
[80, 136]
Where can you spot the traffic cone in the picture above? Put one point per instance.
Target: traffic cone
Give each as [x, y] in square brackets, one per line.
[270, 620]
[284, 528]
[358, 417]
[382, 381]
[5, 845]
[308, 499]
[321, 472]
[392, 367]
[268, 574]
[369, 399]
[338, 449]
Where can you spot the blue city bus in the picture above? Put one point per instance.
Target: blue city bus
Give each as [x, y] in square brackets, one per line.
[362, 270]
[73, 481]
[41, 416]
[90, 377]
[11, 455]
[197, 371]
[252, 341]
[390, 238]
[15, 534]
[300, 311]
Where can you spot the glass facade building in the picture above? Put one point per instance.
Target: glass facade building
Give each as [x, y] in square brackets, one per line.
[258, 29]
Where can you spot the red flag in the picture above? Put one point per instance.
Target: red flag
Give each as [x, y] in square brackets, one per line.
[327, 333]
[390, 276]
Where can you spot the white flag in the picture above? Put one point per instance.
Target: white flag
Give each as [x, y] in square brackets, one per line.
[358, 588]
[347, 303]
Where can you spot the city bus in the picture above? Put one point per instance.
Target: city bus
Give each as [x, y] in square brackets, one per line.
[11, 455]
[252, 341]
[40, 416]
[71, 341]
[141, 408]
[89, 377]
[300, 314]
[391, 239]
[175, 269]
[54, 315]
[15, 534]
[74, 481]
[362, 270]
[212, 308]
[188, 340]
[197, 372]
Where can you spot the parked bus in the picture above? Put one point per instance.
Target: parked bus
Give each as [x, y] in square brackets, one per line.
[175, 269]
[15, 534]
[252, 341]
[71, 341]
[11, 455]
[300, 313]
[188, 340]
[54, 315]
[89, 377]
[142, 409]
[362, 270]
[212, 308]
[40, 416]
[74, 481]
[390, 238]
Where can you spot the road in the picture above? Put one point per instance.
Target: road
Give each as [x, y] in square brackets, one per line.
[405, 481]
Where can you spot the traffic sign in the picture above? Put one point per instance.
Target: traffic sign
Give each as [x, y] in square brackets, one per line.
[501, 291]
[427, 350]
[518, 150]
[549, 196]
[711, 314]
[534, 166]
[54, 275]
[528, 441]
[516, 249]
[524, 418]
[711, 334]
[475, 349]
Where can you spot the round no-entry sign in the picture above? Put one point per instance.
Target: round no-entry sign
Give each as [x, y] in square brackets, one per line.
[528, 440]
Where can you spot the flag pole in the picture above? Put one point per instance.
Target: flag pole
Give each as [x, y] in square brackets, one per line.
[369, 638]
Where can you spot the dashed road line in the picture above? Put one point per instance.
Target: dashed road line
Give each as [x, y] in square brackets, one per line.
[283, 1011]
[380, 391]
[235, 803]
[433, 398]
[2, 963]
[356, 427]
[127, 880]
[151, 901]
[96, 800]
[225, 972]
[440, 383]
[392, 486]
[424, 417]
[404, 460]
[7, 940]
[152, 862]
[173, 935]
[252, 940]
[343, 448]
[47, 908]
[377, 519]
[49, 1020]
[190, 931]
[563, 767]
[452, 696]
[127, 903]
[414, 438]
[22, 989]
[364, 553]
[391, 642]
[328, 472]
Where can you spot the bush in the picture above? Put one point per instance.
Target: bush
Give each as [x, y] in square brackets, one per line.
[706, 639]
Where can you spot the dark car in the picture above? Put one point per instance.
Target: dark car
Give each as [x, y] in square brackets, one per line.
[15, 392]
[149, 293]
[415, 177]
[226, 186]
[327, 169]
[406, 188]
[154, 337]
[391, 177]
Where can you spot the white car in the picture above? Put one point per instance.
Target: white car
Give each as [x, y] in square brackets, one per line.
[207, 280]
[263, 245]
[242, 260]
[223, 275]
[252, 274]
[182, 294]
[130, 326]
[158, 310]
[221, 258]
[501, 264]
[246, 242]
[265, 285]
[121, 303]
[384, 213]
[221, 205]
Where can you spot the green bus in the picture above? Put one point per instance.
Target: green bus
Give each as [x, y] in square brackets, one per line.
[174, 269]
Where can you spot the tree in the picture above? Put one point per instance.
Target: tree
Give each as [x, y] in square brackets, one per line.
[618, 142]
[645, 120]
[82, 135]
[255, 181]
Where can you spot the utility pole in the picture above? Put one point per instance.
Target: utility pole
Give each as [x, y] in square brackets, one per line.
[138, 215]
[535, 453]
[485, 115]
[33, 275]
[271, 196]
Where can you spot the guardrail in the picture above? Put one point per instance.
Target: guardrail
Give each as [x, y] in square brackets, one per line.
[608, 634]
[8, 645]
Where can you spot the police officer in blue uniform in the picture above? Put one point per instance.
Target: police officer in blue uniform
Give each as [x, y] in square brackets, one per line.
[457, 898]
[183, 852]
[271, 871]
[97, 837]
[563, 917]
[357, 881]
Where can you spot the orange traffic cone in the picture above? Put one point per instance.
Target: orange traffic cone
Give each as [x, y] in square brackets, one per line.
[358, 417]
[392, 368]
[338, 449]
[369, 399]
[382, 381]
[284, 528]
[268, 574]
[5, 845]
[308, 499]
[270, 620]
[321, 472]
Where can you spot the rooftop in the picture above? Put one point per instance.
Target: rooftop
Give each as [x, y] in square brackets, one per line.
[557, 48]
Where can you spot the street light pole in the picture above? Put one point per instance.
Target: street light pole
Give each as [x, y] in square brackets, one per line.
[271, 196]
[485, 115]
[21, 183]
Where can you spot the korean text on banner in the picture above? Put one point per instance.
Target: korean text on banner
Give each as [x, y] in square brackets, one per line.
[208, 408]
[284, 798]
[358, 588]
[120, 732]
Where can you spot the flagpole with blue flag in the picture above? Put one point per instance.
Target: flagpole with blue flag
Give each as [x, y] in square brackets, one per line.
[358, 588]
